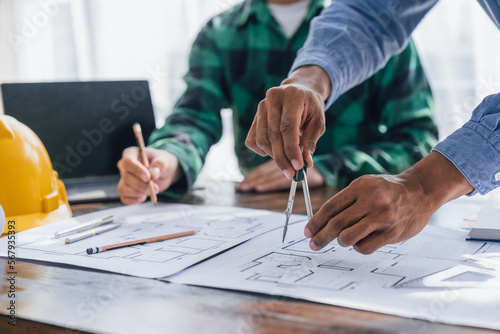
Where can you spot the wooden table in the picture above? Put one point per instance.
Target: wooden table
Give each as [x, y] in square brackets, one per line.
[60, 299]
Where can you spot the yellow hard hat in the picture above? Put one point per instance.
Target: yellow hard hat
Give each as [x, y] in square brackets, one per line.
[31, 193]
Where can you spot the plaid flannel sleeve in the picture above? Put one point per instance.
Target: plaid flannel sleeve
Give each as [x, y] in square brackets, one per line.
[195, 122]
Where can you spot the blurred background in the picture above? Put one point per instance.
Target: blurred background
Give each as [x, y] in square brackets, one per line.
[61, 40]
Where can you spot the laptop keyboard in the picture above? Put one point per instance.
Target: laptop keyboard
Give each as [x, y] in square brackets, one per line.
[92, 189]
[94, 181]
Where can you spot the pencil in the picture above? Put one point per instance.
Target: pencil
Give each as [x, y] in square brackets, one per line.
[94, 250]
[145, 161]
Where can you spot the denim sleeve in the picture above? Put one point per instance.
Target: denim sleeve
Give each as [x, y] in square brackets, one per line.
[352, 39]
[475, 148]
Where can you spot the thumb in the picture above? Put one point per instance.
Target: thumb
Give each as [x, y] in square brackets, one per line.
[162, 165]
[155, 172]
[157, 168]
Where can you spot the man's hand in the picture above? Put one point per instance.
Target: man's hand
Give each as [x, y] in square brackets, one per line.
[268, 177]
[290, 116]
[376, 210]
[133, 185]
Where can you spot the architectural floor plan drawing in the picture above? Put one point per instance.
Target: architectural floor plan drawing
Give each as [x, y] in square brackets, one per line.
[219, 228]
[343, 277]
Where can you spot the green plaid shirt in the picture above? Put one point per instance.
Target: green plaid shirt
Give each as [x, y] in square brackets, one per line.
[383, 125]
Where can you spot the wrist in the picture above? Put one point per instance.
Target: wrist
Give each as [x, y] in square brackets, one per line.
[313, 77]
[437, 180]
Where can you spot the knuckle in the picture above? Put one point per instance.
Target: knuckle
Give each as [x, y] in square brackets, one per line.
[328, 207]
[312, 146]
[126, 151]
[261, 105]
[357, 183]
[119, 187]
[289, 149]
[250, 141]
[381, 201]
[273, 93]
[362, 180]
[319, 123]
[336, 225]
[286, 127]
[298, 93]
[262, 142]
[273, 135]
[129, 152]
[322, 128]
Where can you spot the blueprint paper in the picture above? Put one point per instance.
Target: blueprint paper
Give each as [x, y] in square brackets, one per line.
[219, 228]
[341, 276]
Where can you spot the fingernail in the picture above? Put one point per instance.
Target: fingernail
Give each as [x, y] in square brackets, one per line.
[308, 233]
[313, 246]
[287, 173]
[295, 164]
[155, 173]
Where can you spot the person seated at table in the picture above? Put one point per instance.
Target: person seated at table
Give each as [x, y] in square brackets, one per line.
[383, 125]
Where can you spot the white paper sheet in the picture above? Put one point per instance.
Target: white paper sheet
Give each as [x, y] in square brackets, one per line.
[219, 229]
[341, 276]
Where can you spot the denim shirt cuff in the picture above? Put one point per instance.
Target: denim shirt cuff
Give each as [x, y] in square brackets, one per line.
[473, 149]
[318, 57]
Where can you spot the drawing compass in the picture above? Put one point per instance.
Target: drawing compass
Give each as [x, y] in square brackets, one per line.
[300, 176]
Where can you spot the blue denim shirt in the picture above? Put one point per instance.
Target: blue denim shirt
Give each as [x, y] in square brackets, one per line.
[352, 39]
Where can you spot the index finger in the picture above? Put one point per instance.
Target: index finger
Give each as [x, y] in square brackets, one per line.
[290, 132]
[130, 163]
[335, 205]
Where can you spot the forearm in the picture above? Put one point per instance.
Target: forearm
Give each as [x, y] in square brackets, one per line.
[189, 140]
[313, 77]
[437, 180]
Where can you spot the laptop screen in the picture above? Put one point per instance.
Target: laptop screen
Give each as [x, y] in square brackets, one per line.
[84, 125]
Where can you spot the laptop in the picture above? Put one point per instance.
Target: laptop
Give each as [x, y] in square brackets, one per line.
[84, 126]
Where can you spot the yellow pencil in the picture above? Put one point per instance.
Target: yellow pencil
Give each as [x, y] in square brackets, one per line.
[145, 161]
[94, 250]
